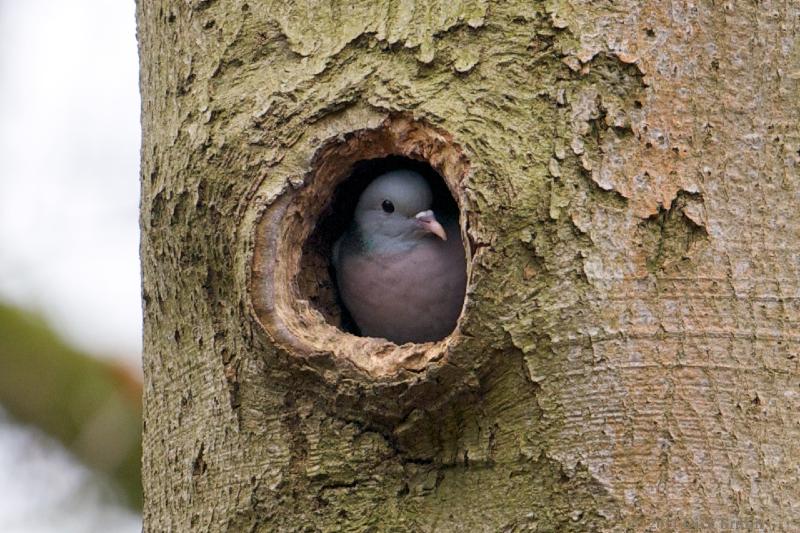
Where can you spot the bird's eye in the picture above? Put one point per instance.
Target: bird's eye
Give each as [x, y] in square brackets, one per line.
[388, 206]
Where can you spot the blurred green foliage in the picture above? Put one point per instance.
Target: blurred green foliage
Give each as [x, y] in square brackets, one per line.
[93, 407]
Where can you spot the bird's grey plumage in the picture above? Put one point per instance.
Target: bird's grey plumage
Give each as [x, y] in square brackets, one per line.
[397, 278]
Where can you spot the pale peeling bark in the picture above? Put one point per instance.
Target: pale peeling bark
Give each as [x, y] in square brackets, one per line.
[628, 356]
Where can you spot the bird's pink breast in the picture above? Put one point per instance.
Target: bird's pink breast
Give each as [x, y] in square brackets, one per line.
[411, 296]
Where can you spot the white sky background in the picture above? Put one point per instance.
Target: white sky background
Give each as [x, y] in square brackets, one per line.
[69, 160]
[69, 194]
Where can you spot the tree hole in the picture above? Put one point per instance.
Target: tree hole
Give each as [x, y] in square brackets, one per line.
[293, 283]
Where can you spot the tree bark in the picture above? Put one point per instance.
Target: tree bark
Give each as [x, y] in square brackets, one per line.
[627, 175]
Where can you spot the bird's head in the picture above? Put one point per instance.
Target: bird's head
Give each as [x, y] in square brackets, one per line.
[396, 207]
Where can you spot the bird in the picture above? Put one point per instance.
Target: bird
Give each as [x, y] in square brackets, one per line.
[400, 271]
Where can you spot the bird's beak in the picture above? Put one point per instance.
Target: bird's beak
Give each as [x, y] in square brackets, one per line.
[428, 222]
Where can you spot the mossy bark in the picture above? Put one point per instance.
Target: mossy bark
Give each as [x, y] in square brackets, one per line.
[628, 355]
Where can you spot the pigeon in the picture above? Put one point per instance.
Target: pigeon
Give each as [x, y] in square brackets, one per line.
[400, 271]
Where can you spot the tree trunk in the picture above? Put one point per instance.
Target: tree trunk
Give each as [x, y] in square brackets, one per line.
[627, 175]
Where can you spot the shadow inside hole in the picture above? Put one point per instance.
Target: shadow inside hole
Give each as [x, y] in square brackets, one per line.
[316, 280]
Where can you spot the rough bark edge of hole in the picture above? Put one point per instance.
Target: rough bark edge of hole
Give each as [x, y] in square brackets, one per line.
[293, 323]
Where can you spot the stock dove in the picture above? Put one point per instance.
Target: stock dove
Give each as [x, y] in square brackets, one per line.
[400, 272]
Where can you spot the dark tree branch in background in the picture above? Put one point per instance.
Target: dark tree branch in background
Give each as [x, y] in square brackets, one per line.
[92, 407]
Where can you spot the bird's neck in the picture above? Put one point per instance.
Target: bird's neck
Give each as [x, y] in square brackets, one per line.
[388, 244]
